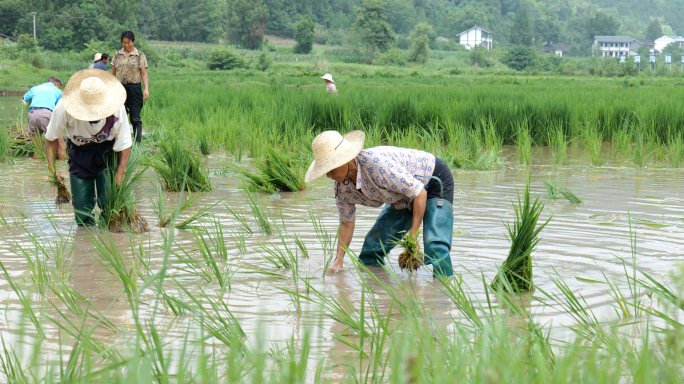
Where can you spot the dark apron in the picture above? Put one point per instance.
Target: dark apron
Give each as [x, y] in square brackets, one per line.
[85, 161]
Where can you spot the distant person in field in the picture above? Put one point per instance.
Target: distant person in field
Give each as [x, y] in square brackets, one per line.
[329, 83]
[130, 66]
[93, 115]
[43, 100]
[102, 63]
[415, 186]
[96, 59]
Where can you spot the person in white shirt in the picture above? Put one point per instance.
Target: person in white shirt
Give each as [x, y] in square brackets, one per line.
[93, 115]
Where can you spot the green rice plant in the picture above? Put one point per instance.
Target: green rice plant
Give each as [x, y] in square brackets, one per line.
[551, 188]
[5, 143]
[302, 247]
[411, 258]
[592, 140]
[659, 150]
[261, 213]
[524, 142]
[239, 240]
[559, 143]
[517, 269]
[241, 219]
[63, 195]
[623, 140]
[278, 172]
[178, 167]
[675, 149]
[120, 213]
[639, 154]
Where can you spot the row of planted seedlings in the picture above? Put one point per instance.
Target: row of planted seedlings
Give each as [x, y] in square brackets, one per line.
[402, 343]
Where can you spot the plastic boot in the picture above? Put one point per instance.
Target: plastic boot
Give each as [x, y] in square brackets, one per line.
[438, 227]
[83, 199]
[380, 239]
[102, 185]
[137, 130]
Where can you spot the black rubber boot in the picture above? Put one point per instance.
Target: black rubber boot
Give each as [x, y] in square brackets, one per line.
[137, 131]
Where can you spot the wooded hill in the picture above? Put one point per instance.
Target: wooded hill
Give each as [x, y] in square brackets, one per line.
[66, 25]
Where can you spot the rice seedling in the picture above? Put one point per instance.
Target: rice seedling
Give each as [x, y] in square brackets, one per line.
[5, 143]
[623, 139]
[63, 195]
[261, 213]
[524, 143]
[639, 154]
[302, 247]
[178, 167]
[120, 213]
[551, 186]
[523, 235]
[241, 219]
[592, 140]
[277, 172]
[411, 258]
[239, 240]
[675, 149]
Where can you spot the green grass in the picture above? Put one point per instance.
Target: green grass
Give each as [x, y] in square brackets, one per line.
[178, 167]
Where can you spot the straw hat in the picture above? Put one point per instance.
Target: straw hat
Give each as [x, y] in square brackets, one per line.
[328, 77]
[98, 56]
[332, 150]
[93, 94]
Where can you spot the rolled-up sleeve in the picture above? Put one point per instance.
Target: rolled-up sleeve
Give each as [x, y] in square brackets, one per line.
[58, 123]
[122, 130]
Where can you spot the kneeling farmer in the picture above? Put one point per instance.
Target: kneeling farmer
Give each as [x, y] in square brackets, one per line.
[93, 114]
[416, 186]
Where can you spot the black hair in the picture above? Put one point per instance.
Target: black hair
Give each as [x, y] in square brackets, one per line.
[55, 80]
[105, 56]
[128, 35]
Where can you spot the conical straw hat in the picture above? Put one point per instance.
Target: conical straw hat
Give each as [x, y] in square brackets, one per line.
[93, 94]
[332, 150]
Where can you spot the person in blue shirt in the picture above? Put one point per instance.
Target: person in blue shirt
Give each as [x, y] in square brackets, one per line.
[43, 99]
[102, 63]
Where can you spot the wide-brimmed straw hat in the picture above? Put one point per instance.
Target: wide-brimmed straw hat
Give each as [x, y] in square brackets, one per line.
[93, 94]
[328, 77]
[332, 150]
[98, 56]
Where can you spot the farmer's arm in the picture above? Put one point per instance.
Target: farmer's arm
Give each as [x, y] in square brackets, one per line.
[54, 131]
[113, 70]
[418, 212]
[346, 234]
[146, 90]
[123, 162]
[51, 147]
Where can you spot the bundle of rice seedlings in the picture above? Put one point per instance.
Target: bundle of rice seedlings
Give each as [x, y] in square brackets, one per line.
[121, 214]
[63, 195]
[553, 190]
[516, 271]
[277, 172]
[179, 167]
[411, 258]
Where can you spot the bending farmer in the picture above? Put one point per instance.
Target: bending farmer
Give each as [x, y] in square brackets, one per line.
[416, 186]
[43, 99]
[93, 114]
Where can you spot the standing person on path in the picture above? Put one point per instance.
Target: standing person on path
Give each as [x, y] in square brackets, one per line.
[329, 83]
[93, 115]
[43, 100]
[416, 186]
[130, 66]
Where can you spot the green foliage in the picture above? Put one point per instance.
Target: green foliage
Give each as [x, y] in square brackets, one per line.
[643, 51]
[371, 29]
[480, 57]
[248, 22]
[264, 62]
[225, 58]
[394, 57]
[521, 33]
[277, 172]
[467, 15]
[675, 50]
[179, 167]
[654, 30]
[602, 25]
[420, 50]
[304, 35]
[520, 57]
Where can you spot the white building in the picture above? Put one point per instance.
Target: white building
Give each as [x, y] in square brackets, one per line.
[557, 49]
[616, 46]
[662, 42]
[476, 36]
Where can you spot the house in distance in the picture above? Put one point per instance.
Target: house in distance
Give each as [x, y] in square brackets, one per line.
[476, 36]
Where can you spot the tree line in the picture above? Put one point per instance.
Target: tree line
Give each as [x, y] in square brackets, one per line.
[71, 24]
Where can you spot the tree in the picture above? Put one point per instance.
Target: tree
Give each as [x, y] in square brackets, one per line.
[520, 57]
[468, 15]
[305, 35]
[602, 25]
[421, 43]
[654, 30]
[521, 34]
[674, 50]
[371, 28]
[247, 22]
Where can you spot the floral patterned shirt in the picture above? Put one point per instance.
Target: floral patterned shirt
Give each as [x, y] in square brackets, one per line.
[128, 68]
[385, 174]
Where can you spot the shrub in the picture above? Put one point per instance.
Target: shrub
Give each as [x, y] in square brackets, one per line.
[225, 58]
[304, 35]
[479, 56]
[265, 60]
[520, 57]
[392, 57]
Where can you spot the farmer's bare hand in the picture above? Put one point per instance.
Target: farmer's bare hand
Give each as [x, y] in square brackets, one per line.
[146, 95]
[119, 175]
[336, 266]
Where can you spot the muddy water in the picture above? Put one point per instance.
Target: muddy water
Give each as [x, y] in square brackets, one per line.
[581, 243]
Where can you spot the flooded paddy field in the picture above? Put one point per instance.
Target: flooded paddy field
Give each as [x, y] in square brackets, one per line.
[205, 304]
